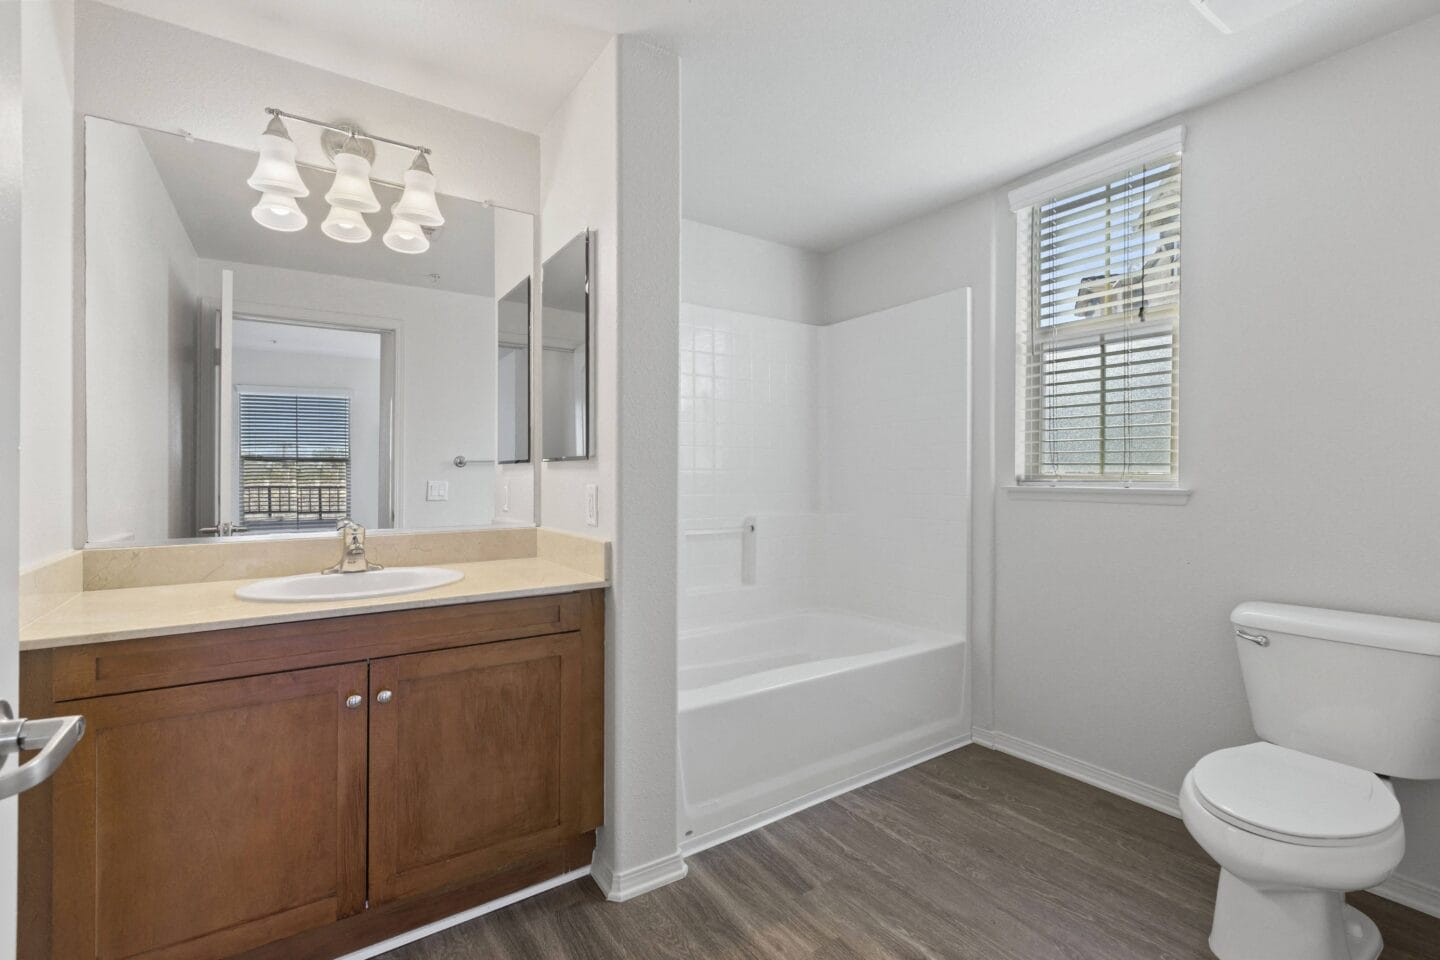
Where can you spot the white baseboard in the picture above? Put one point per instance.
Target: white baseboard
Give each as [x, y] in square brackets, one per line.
[623, 885]
[705, 841]
[410, 936]
[1411, 893]
[1130, 789]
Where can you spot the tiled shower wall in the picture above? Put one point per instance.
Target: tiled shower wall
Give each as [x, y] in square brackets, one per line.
[846, 443]
[748, 422]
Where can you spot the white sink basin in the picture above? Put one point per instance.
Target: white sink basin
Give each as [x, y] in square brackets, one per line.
[310, 587]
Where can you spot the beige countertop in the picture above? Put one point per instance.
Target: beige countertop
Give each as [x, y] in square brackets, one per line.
[96, 616]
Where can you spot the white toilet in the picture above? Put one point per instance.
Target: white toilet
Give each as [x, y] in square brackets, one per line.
[1301, 818]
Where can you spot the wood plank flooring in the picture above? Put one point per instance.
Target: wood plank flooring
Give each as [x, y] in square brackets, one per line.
[973, 856]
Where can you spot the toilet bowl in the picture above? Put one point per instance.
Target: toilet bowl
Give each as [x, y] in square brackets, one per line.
[1292, 834]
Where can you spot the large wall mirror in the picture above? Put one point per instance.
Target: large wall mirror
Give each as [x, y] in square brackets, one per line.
[565, 333]
[245, 381]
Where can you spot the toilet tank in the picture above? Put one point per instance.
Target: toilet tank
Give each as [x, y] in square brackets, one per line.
[1356, 688]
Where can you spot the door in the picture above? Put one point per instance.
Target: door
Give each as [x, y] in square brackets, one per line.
[476, 758]
[212, 818]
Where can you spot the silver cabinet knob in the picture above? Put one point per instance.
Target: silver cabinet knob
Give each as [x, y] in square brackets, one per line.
[384, 696]
[354, 700]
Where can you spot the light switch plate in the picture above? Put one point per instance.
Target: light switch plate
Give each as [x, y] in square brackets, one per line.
[592, 505]
[437, 490]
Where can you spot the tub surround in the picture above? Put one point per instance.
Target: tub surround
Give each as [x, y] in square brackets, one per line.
[141, 591]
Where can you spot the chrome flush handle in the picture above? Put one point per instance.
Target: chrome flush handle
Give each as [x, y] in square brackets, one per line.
[1259, 639]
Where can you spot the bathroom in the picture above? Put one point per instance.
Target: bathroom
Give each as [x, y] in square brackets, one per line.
[776, 602]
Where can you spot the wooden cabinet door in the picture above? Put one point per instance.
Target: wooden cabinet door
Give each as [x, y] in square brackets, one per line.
[477, 757]
[197, 822]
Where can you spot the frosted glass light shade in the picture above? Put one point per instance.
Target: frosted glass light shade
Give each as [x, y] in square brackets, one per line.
[279, 212]
[275, 171]
[351, 189]
[345, 225]
[417, 204]
[405, 236]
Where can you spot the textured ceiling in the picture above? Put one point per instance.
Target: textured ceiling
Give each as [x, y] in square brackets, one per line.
[815, 123]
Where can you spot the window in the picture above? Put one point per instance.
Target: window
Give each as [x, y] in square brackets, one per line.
[294, 460]
[1098, 320]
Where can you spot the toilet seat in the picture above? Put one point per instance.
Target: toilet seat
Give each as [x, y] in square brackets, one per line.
[1294, 797]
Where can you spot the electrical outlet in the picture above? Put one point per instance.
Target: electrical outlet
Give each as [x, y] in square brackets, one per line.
[592, 505]
[437, 490]
[505, 496]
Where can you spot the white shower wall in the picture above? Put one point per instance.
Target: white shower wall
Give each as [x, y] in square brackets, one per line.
[848, 445]
[893, 478]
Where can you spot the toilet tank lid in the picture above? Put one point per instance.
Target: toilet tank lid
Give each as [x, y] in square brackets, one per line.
[1341, 626]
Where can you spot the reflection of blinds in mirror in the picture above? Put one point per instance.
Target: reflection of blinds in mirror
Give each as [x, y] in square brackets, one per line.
[1100, 308]
[294, 460]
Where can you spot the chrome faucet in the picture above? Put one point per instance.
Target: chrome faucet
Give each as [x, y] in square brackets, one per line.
[352, 549]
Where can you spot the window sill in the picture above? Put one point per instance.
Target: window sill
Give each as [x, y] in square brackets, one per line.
[1097, 493]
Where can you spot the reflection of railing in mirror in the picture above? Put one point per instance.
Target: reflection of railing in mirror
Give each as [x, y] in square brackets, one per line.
[290, 507]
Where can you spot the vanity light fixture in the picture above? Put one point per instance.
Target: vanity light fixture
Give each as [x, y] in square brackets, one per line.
[405, 235]
[351, 189]
[275, 172]
[279, 212]
[346, 225]
[351, 194]
[417, 204]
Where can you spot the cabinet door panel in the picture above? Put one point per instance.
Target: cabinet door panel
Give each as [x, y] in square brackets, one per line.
[469, 760]
[224, 815]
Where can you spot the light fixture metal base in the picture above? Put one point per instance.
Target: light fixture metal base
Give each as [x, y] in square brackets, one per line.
[332, 141]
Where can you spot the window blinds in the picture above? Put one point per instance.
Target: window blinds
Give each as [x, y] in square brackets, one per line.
[1100, 311]
[294, 460]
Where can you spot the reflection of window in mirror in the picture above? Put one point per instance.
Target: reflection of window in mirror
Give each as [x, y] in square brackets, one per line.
[565, 356]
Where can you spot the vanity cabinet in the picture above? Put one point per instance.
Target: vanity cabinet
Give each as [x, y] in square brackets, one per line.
[231, 797]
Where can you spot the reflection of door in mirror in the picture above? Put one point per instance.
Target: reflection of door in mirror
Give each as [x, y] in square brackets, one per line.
[513, 440]
[565, 357]
[169, 401]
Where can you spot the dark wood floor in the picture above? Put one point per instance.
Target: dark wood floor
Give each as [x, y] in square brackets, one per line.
[972, 855]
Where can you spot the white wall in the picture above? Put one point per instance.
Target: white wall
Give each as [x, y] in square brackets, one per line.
[733, 271]
[48, 439]
[12, 175]
[1306, 385]
[639, 845]
[579, 181]
[444, 339]
[141, 290]
[610, 163]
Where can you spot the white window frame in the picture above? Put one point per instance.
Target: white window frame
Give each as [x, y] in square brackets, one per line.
[1167, 490]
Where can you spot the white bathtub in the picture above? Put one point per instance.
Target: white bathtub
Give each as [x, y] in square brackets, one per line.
[777, 714]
